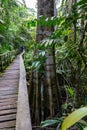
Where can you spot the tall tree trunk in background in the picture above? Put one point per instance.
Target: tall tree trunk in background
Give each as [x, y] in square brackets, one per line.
[40, 12]
[51, 94]
[46, 95]
[50, 63]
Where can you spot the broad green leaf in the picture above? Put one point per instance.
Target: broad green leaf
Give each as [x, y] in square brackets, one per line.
[85, 128]
[74, 117]
[48, 123]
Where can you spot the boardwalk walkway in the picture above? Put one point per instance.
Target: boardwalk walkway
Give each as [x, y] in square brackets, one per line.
[9, 89]
[8, 96]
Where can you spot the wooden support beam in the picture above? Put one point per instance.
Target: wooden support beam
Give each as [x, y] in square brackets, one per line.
[23, 121]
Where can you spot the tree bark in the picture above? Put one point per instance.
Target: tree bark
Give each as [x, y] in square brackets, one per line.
[47, 94]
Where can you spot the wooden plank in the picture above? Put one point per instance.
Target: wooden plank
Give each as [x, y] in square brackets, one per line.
[8, 93]
[10, 106]
[12, 84]
[9, 111]
[8, 117]
[8, 88]
[9, 78]
[7, 124]
[8, 100]
[12, 128]
[23, 121]
[9, 96]
[7, 103]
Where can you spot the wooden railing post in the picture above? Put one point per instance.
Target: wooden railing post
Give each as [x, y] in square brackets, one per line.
[23, 121]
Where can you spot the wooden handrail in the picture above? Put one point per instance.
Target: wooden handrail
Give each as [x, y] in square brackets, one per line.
[6, 59]
[23, 121]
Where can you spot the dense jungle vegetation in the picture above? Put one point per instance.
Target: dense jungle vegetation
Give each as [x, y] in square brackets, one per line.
[55, 43]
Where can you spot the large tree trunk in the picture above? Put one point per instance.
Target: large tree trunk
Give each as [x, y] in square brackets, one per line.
[50, 62]
[47, 93]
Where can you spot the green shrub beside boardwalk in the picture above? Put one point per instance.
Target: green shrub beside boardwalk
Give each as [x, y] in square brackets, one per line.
[6, 59]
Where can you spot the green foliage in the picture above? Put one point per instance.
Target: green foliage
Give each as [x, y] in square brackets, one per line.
[35, 62]
[70, 57]
[74, 117]
[52, 122]
[71, 92]
[48, 123]
[13, 25]
[66, 122]
[71, 63]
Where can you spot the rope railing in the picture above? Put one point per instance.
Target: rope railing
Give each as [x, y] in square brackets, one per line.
[6, 59]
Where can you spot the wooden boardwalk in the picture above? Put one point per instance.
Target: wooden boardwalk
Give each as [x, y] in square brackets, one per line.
[9, 96]
[9, 93]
